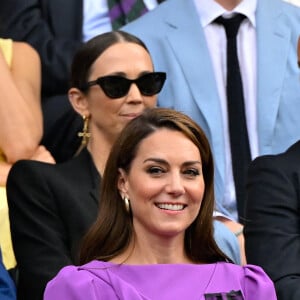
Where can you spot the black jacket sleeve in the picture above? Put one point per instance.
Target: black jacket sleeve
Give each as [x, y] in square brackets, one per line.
[272, 229]
[38, 232]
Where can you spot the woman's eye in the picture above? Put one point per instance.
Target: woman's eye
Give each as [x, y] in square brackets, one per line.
[155, 170]
[192, 172]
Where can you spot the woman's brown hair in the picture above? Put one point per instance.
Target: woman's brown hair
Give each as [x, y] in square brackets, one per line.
[112, 232]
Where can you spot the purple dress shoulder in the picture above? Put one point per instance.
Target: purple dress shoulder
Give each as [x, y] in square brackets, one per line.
[99, 280]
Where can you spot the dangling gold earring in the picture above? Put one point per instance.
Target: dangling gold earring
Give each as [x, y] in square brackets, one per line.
[84, 134]
[127, 204]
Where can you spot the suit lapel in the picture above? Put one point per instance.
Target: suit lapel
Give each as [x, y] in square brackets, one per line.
[96, 179]
[194, 59]
[84, 171]
[273, 44]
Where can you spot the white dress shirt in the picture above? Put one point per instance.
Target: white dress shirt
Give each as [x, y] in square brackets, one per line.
[295, 2]
[209, 10]
[96, 19]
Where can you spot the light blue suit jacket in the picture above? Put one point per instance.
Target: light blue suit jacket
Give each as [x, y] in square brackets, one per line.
[177, 43]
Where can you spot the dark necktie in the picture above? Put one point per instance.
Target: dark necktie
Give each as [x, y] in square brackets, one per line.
[239, 142]
[122, 12]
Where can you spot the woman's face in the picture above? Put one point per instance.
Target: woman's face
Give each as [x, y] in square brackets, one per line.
[165, 184]
[109, 116]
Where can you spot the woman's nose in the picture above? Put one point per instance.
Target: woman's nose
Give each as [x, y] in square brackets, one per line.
[134, 94]
[175, 185]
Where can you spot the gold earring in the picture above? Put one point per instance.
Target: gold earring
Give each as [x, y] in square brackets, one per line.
[127, 204]
[84, 134]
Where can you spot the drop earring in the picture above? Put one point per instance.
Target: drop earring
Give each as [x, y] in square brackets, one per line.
[127, 204]
[84, 134]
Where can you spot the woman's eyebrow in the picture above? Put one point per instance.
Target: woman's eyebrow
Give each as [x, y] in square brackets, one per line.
[155, 159]
[162, 161]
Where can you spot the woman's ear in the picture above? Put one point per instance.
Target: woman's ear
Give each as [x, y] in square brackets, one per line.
[79, 101]
[122, 182]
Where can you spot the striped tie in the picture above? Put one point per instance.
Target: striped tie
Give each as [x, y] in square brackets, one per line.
[122, 12]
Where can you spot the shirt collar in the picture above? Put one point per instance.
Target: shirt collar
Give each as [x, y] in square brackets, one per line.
[209, 10]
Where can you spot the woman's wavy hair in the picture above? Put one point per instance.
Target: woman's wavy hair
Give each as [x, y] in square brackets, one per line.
[112, 232]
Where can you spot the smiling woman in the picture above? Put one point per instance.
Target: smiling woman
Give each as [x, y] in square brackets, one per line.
[153, 237]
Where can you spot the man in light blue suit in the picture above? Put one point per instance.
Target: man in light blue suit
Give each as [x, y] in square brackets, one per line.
[184, 42]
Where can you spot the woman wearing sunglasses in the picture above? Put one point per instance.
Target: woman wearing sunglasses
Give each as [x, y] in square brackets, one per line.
[52, 206]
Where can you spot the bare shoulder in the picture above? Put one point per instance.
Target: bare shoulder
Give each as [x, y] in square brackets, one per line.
[26, 65]
[24, 54]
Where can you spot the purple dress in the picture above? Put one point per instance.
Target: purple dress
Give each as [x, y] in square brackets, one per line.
[99, 280]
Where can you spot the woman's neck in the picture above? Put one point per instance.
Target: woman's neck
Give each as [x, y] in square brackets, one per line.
[147, 250]
[99, 148]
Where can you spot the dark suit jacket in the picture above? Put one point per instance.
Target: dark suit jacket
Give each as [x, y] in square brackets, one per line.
[272, 229]
[50, 207]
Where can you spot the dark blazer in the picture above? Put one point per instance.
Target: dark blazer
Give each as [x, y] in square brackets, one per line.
[272, 228]
[50, 207]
